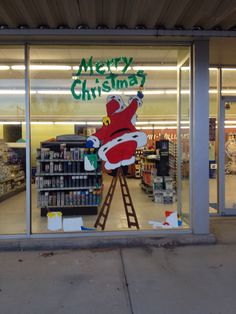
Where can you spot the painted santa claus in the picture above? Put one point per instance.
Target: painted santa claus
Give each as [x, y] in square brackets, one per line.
[118, 138]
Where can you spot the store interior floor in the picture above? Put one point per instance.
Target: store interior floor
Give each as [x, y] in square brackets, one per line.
[13, 214]
[12, 210]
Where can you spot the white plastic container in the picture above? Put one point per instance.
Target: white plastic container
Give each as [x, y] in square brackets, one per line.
[54, 221]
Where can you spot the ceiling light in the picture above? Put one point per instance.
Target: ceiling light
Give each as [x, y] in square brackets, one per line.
[155, 68]
[12, 91]
[70, 122]
[212, 91]
[230, 121]
[42, 67]
[115, 92]
[230, 126]
[4, 67]
[9, 122]
[171, 91]
[164, 122]
[228, 69]
[159, 128]
[94, 123]
[142, 122]
[146, 92]
[228, 91]
[54, 92]
[41, 122]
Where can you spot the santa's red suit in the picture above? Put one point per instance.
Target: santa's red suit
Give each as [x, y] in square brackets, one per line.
[118, 135]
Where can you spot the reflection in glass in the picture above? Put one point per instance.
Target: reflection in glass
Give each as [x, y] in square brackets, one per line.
[12, 143]
[60, 125]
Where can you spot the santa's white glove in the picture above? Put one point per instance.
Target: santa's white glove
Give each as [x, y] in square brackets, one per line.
[92, 142]
[139, 101]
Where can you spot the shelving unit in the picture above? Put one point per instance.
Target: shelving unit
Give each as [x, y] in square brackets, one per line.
[62, 182]
[12, 175]
[158, 172]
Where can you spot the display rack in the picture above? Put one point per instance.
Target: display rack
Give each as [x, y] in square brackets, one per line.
[158, 172]
[62, 182]
[12, 175]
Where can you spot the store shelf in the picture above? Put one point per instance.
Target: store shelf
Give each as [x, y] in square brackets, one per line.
[71, 211]
[12, 193]
[59, 160]
[16, 145]
[6, 180]
[61, 182]
[69, 174]
[71, 188]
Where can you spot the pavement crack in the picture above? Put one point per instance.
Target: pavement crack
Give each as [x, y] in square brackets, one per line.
[126, 284]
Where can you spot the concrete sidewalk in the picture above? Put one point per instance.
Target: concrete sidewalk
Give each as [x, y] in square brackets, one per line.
[182, 280]
[172, 280]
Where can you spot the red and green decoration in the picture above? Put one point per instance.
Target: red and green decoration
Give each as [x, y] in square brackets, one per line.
[118, 138]
[105, 81]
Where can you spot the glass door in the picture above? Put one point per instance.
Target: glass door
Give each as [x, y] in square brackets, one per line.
[227, 157]
[183, 135]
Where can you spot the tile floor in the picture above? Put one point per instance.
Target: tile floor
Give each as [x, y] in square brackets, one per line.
[13, 213]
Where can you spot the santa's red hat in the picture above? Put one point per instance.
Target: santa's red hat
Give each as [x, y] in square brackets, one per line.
[112, 106]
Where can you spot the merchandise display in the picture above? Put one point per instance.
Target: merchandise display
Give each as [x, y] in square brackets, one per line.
[62, 181]
[12, 175]
[159, 172]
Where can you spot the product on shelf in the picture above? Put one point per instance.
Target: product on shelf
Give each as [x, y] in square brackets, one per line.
[62, 181]
[12, 175]
[158, 172]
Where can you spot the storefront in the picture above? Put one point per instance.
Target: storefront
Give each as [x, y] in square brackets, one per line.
[53, 97]
[37, 125]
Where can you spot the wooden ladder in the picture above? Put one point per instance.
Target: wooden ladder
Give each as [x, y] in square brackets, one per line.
[128, 204]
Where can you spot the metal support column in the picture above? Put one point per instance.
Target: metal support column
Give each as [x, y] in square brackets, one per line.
[200, 133]
[28, 152]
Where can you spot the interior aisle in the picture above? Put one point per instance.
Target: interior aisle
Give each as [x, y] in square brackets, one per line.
[13, 210]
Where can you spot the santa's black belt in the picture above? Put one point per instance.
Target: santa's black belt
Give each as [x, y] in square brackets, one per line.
[120, 130]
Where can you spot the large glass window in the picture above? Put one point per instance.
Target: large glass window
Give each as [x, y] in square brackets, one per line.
[68, 106]
[12, 141]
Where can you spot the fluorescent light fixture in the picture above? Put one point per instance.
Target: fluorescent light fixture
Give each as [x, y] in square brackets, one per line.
[228, 69]
[154, 68]
[228, 91]
[158, 128]
[94, 123]
[213, 69]
[185, 68]
[4, 67]
[114, 92]
[230, 121]
[212, 91]
[12, 91]
[43, 67]
[70, 122]
[142, 122]
[119, 68]
[54, 92]
[230, 126]
[9, 122]
[171, 91]
[163, 122]
[41, 122]
[146, 92]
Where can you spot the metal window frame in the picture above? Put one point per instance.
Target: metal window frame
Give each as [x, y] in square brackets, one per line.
[121, 233]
